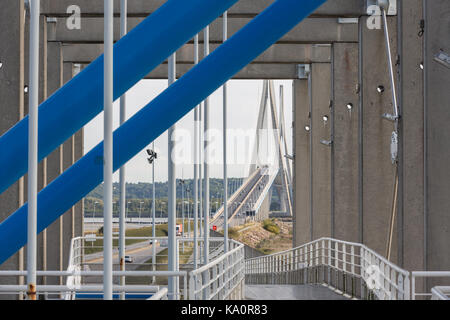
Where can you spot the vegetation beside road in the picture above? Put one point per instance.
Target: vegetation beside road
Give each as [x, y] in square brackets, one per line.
[268, 236]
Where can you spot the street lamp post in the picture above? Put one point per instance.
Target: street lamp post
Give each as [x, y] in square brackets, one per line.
[93, 220]
[126, 213]
[140, 211]
[151, 160]
[188, 212]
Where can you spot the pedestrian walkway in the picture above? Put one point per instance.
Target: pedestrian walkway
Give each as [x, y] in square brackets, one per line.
[291, 292]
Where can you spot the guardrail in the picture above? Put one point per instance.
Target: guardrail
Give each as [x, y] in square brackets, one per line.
[69, 292]
[338, 264]
[160, 295]
[436, 292]
[440, 293]
[222, 278]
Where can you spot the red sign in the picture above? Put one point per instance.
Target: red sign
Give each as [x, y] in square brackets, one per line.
[215, 228]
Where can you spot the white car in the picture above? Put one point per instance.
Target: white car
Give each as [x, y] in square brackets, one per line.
[128, 259]
[151, 242]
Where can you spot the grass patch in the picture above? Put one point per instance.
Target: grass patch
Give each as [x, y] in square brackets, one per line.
[233, 233]
[271, 226]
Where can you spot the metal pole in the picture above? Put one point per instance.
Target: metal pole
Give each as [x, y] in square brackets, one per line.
[225, 173]
[122, 178]
[384, 7]
[206, 160]
[182, 210]
[172, 258]
[153, 217]
[196, 162]
[200, 165]
[108, 150]
[391, 68]
[33, 148]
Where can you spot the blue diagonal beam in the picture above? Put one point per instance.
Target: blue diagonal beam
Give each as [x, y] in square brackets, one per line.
[155, 118]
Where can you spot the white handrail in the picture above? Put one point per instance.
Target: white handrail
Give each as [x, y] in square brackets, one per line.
[222, 278]
[333, 261]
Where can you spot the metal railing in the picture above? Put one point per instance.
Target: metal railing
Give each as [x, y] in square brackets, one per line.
[70, 292]
[222, 278]
[436, 292]
[337, 264]
[440, 293]
[160, 295]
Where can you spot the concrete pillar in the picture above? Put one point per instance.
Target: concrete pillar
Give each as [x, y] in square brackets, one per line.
[11, 104]
[321, 154]
[437, 137]
[42, 243]
[345, 217]
[301, 203]
[69, 216]
[411, 188]
[54, 168]
[378, 172]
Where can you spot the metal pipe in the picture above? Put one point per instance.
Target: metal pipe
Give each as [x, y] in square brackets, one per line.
[85, 288]
[108, 151]
[33, 148]
[153, 215]
[172, 193]
[393, 216]
[225, 173]
[384, 9]
[196, 162]
[390, 66]
[206, 159]
[182, 209]
[122, 172]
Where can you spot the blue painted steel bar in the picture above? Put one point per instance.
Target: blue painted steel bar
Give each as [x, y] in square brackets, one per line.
[81, 99]
[165, 110]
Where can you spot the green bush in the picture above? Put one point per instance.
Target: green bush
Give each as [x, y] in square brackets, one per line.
[271, 226]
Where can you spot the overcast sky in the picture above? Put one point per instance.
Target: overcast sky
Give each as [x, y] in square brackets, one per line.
[243, 105]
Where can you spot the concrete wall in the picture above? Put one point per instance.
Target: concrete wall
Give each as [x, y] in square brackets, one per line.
[345, 182]
[377, 169]
[301, 172]
[54, 242]
[351, 182]
[411, 230]
[11, 104]
[437, 137]
[321, 154]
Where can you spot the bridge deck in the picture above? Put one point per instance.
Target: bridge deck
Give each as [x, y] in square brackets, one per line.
[291, 292]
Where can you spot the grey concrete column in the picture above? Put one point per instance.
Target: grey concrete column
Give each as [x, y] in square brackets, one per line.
[301, 219]
[321, 154]
[11, 103]
[69, 217]
[437, 137]
[42, 243]
[55, 231]
[77, 154]
[411, 200]
[345, 142]
[378, 171]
